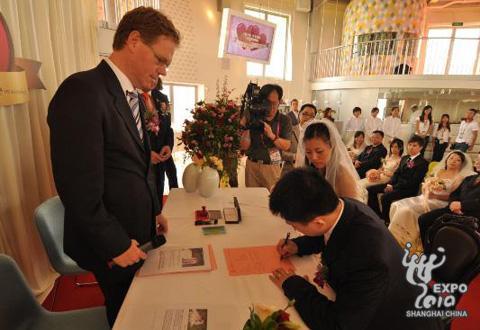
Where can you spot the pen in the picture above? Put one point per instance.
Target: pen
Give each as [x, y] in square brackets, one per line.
[285, 243]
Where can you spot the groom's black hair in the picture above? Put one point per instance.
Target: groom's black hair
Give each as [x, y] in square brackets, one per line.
[301, 195]
[418, 140]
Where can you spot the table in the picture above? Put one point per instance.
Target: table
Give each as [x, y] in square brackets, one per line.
[227, 298]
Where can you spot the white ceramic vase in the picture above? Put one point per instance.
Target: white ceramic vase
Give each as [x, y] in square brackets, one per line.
[190, 177]
[208, 182]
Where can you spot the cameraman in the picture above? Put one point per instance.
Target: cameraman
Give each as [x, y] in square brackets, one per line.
[264, 146]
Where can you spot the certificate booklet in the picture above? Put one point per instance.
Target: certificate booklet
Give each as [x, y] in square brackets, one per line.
[166, 260]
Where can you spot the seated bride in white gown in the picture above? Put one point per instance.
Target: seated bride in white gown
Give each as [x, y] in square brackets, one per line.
[321, 146]
[389, 166]
[448, 175]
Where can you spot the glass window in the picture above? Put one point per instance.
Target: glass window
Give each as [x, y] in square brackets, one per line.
[464, 52]
[110, 12]
[436, 55]
[280, 66]
[184, 99]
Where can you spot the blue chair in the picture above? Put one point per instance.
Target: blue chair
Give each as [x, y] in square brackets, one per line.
[49, 218]
[19, 309]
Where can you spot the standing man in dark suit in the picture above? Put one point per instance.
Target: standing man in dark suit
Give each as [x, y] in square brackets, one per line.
[465, 200]
[404, 183]
[363, 275]
[371, 157]
[101, 154]
[293, 113]
[164, 141]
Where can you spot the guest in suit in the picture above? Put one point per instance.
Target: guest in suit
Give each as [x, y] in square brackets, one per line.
[371, 157]
[362, 274]
[405, 182]
[293, 113]
[163, 145]
[465, 200]
[101, 154]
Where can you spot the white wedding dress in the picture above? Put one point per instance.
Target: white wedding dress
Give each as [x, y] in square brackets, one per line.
[404, 213]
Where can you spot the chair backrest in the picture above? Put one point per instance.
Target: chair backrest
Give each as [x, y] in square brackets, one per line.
[49, 217]
[18, 306]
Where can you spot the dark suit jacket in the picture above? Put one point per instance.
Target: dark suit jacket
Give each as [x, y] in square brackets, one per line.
[409, 179]
[365, 269]
[166, 135]
[468, 194]
[293, 118]
[371, 158]
[101, 168]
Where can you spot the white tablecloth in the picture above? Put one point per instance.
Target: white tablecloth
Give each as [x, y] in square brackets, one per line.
[227, 298]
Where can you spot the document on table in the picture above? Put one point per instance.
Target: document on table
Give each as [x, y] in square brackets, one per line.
[183, 319]
[165, 260]
[254, 260]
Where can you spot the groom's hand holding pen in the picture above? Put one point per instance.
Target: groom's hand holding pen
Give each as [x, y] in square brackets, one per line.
[286, 247]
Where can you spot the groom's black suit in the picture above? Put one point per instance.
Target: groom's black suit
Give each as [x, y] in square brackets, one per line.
[103, 176]
[405, 181]
[365, 270]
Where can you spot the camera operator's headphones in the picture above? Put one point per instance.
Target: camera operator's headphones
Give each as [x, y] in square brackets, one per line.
[268, 88]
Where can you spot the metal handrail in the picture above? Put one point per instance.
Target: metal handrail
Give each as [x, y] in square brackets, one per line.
[395, 56]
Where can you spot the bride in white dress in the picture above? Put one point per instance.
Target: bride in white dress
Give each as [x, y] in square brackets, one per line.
[448, 175]
[321, 147]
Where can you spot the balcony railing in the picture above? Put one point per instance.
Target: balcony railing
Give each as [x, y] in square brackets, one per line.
[399, 56]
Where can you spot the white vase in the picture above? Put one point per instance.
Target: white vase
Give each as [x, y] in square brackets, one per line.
[208, 182]
[190, 177]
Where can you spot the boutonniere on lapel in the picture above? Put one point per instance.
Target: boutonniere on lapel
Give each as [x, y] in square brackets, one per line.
[321, 276]
[152, 121]
[410, 163]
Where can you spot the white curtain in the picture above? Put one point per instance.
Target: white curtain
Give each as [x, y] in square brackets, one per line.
[62, 35]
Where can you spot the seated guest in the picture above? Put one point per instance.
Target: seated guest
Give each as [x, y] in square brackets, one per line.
[366, 281]
[371, 157]
[465, 200]
[448, 175]
[357, 146]
[390, 165]
[405, 182]
[321, 147]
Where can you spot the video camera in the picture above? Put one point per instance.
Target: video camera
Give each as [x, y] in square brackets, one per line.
[257, 105]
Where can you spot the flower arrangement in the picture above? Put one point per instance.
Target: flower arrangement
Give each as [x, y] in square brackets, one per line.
[268, 318]
[435, 185]
[212, 137]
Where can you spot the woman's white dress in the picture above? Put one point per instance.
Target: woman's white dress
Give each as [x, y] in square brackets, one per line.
[390, 166]
[405, 212]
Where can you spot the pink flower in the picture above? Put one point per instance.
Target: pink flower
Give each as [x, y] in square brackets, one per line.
[410, 164]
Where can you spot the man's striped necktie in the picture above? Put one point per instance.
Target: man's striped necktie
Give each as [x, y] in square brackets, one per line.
[135, 106]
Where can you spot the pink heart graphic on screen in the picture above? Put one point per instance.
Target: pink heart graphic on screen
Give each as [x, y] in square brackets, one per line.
[251, 34]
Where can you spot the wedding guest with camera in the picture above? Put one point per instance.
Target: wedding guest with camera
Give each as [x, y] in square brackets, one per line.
[371, 157]
[361, 282]
[465, 200]
[265, 142]
[101, 154]
[405, 182]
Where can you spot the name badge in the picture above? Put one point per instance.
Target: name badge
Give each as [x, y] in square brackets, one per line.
[275, 156]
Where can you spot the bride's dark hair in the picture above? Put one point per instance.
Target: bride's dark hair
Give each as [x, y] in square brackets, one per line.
[317, 130]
